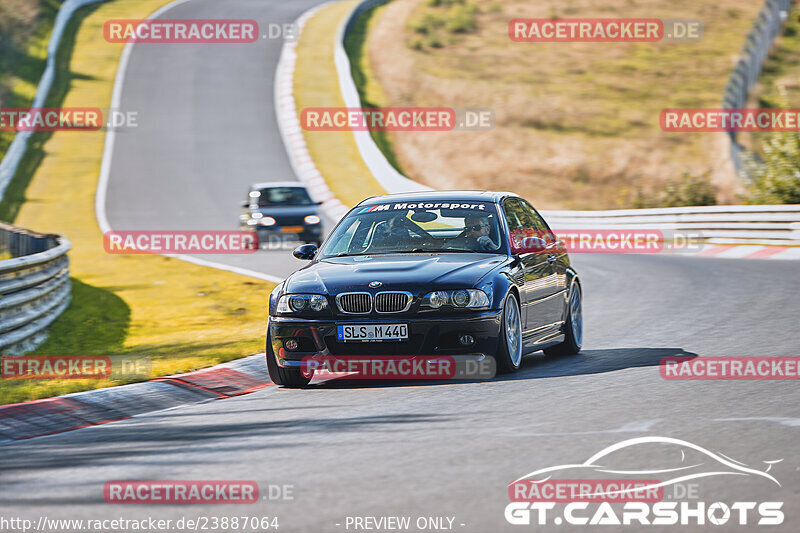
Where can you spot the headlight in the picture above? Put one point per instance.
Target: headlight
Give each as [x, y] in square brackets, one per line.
[312, 219]
[297, 303]
[266, 221]
[462, 298]
[435, 299]
[317, 302]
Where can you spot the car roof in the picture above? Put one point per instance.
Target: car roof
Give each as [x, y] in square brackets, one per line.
[270, 184]
[439, 196]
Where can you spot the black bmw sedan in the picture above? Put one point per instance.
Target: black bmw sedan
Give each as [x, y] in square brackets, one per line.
[281, 210]
[444, 273]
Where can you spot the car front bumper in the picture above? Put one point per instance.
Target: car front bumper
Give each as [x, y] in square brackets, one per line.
[275, 235]
[428, 336]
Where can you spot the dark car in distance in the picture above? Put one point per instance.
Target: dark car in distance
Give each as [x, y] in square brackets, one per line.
[450, 273]
[279, 211]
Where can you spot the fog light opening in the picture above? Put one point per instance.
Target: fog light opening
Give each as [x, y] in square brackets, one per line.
[466, 340]
[291, 345]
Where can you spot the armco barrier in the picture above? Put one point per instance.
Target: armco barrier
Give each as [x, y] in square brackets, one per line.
[34, 286]
[719, 224]
[745, 74]
[12, 158]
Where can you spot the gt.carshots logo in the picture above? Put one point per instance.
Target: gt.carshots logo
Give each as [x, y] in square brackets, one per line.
[576, 494]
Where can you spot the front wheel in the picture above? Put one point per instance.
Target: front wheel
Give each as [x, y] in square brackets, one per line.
[288, 377]
[573, 331]
[509, 351]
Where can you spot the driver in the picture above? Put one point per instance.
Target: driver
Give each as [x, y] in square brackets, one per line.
[475, 235]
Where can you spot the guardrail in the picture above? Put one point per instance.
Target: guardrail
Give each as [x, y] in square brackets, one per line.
[718, 224]
[745, 75]
[34, 286]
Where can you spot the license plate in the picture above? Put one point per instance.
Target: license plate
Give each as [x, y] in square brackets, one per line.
[372, 332]
[292, 229]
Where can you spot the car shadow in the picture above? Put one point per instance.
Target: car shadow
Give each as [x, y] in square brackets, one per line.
[535, 366]
[592, 362]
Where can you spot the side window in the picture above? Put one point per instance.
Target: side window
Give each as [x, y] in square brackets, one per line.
[538, 222]
[517, 219]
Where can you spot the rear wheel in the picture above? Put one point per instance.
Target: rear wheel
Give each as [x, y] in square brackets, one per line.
[288, 377]
[509, 351]
[573, 327]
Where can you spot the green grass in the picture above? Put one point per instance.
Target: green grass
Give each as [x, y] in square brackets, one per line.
[23, 51]
[95, 323]
[34, 155]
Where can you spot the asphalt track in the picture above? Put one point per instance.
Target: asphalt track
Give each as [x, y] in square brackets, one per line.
[412, 448]
[206, 130]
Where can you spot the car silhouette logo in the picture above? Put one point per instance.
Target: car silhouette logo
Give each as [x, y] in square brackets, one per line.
[375, 284]
[706, 464]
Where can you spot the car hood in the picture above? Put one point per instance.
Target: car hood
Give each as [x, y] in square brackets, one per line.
[414, 273]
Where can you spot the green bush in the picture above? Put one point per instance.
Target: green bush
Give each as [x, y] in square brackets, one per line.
[445, 3]
[688, 190]
[461, 19]
[438, 16]
[775, 179]
[427, 23]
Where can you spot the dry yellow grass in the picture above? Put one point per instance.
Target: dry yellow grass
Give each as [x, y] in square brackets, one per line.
[577, 123]
[182, 315]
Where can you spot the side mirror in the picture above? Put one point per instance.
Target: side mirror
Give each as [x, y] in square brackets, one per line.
[246, 203]
[305, 252]
[528, 245]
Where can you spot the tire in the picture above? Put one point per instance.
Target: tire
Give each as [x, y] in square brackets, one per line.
[287, 377]
[573, 331]
[509, 349]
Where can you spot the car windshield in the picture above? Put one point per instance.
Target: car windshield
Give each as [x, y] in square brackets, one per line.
[417, 227]
[277, 196]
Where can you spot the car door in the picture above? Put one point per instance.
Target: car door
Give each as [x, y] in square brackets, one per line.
[537, 270]
[556, 256]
